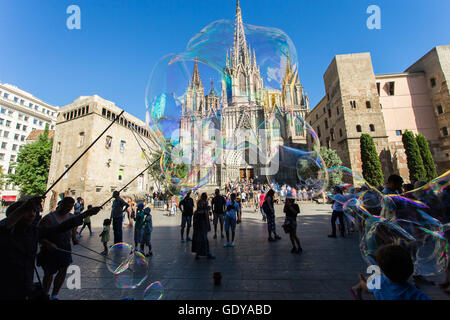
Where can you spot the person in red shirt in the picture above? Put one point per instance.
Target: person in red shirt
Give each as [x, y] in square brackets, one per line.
[261, 201]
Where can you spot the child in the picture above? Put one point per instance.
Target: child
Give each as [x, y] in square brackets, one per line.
[105, 235]
[139, 222]
[86, 223]
[146, 234]
[173, 210]
[396, 264]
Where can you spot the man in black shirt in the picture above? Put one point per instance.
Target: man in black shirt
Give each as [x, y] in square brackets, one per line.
[19, 238]
[187, 210]
[218, 204]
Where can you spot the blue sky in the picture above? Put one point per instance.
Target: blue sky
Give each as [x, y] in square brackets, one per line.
[121, 40]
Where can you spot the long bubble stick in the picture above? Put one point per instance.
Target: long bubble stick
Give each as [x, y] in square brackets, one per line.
[80, 255]
[148, 167]
[84, 152]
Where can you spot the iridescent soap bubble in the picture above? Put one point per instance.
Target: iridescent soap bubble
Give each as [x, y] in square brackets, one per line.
[135, 274]
[118, 258]
[188, 119]
[154, 291]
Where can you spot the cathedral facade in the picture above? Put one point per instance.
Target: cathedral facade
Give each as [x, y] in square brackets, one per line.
[245, 110]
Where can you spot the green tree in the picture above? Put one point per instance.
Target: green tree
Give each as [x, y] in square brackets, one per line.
[32, 165]
[413, 157]
[331, 159]
[371, 165]
[427, 158]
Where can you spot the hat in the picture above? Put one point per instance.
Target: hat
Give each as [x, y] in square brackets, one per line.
[140, 206]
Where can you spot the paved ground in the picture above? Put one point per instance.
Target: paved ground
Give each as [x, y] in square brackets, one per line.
[254, 269]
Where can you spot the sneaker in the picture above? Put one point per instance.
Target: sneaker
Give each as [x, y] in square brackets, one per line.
[103, 253]
[197, 257]
[188, 239]
[92, 233]
[271, 239]
[149, 254]
[226, 244]
[215, 236]
[232, 244]
[332, 236]
[299, 250]
[294, 250]
[182, 240]
[222, 236]
[277, 237]
[79, 235]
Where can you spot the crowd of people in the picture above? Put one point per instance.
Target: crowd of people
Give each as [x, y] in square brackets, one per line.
[24, 229]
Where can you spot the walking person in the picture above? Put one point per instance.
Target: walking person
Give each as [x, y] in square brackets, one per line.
[261, 202]
[78, 208]
[86, 223]
[138, 224]
[218, 204]
[187, 210]
[290, 224]
[104, 236]
[146, 233]
[200, 243]
[119, 206]
[269, 211]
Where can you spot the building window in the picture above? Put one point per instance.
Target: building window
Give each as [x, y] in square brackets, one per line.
[318, 132]
[332, 134]
[378, 88]
[21, 101]
[317, 116]
[16, 99]
[2, 156]
[108, 142]
[326, 124]
[30, 105]
[3, 110]
[18, 126]
[391, 88]
[372, 128]
[298, 127]
[353, 104]
[340, 132]
[4, 144]
[14, 147]
[444, 131]
[122, 146]
[433, 82]
[24, 128]
[337, 110]
[98, 189]
[22, 138]
[5, 95]
[81, 139]
[276, 128]
[368, 106]
[26, 118]
[329, 113]
[8, 123]
[66, 176]
[34, 121]
[358, 128]
[120, 174]
[5, 134]
[398, 132]
[58, 147]
[16, 137]
[439, 109]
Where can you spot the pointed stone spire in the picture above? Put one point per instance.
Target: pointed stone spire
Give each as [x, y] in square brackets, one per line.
[196, 80]
[240, 43]
[254, 59]
[212, 91]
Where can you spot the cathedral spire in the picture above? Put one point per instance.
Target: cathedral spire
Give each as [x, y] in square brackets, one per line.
[240, 43]
[196, 80]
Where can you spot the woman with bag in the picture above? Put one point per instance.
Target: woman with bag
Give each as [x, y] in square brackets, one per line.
[200, 244]
[269, 212]
[290, 224]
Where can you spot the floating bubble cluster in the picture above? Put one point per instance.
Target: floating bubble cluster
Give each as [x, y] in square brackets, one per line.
[417, 220]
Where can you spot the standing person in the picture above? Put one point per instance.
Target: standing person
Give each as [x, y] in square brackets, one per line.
[338, 212]
[218, 204]
[187, 210]
[139, 222]
[269, 211]
[200, 244]
[230, 220]
[239, 213]
[292, 210]
[394, 185]
[105, 235]
[146, 233]
[119, 206]
[19, 238]
[261, 202]
[131, 211]
[52, 261]
[78, 207]
[86, 223]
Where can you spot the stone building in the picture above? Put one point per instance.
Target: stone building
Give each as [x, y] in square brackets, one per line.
[111, 163]
[245, 105]
[358, 101]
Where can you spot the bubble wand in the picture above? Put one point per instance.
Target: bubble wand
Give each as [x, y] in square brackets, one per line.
[84, 152]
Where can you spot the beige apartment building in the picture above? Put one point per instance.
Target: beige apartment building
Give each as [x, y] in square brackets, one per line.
[357, 101]
[110, 164]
